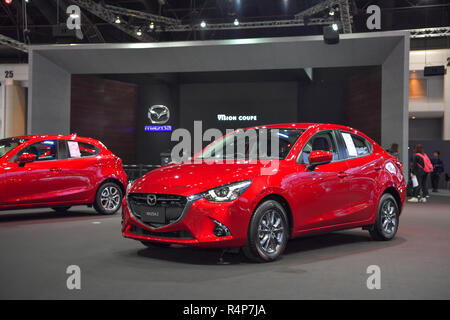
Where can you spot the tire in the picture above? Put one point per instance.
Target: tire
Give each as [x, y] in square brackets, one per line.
[61, 209]
[386, 223]
[108, 198]
[150, 244]
[268, 233]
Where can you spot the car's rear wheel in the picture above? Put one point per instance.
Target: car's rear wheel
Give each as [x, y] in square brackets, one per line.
[386, 223]
[61, 209]
[108, 198]
[150, 244]
[268, 232]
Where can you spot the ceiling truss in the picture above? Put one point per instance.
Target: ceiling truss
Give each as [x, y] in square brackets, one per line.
[430, 32]
[107, 15]
[247, 25]
[7, 41]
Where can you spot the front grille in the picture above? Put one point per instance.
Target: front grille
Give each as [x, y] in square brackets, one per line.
[182, 234]
[166, 208]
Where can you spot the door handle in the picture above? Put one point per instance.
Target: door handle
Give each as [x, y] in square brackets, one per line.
[54, 169]
[342, 174]
[99, 164]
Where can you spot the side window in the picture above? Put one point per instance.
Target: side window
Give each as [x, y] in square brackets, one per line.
[355, 146]
[44, 150]
[361, 145]
[88, 150]
[321, 141]
[77, 149]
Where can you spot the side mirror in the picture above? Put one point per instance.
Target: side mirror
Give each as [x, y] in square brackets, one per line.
[319, 157]
[26, 158]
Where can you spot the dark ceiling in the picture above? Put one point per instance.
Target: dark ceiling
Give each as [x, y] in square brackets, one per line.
[43, 18]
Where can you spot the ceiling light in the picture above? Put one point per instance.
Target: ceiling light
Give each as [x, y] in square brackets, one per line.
[139, 32]
[335, 27]
[236, 22]
[117, 20]
[203, 24]
[152, 26]
[331, 13]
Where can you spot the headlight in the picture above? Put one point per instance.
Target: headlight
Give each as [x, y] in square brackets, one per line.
[227, 192]
[129, 185]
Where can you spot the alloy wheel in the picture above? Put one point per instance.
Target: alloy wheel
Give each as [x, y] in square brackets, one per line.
[388, 217]
[110, 198]
[271, 232]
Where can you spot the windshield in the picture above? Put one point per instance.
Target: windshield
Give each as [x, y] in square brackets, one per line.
[6, 145]
[253, 144]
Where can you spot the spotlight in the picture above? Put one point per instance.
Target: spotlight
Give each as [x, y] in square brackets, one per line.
[203, 24]
[331, 13]
[117, 20]
[335, 27]
[139, 32]
[152, 26]
[236, 22]
[330, 35]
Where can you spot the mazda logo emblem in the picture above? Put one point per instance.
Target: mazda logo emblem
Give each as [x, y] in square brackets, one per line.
[159, 114]
[151, 199]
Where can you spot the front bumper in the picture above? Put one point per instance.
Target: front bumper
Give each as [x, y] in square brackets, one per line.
[197, 226]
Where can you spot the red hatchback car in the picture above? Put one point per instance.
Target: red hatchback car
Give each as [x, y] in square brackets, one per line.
[59, 171]
[326, 178]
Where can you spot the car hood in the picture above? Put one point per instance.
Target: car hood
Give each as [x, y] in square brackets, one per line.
[189, 178]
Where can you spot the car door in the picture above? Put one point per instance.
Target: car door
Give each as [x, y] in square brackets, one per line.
[80, 169]
[36, 182]
[322, 193]
[364, 168]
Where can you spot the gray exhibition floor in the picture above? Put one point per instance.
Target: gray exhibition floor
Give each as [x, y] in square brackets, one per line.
[37, 246]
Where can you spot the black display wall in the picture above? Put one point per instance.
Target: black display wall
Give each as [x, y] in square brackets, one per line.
[259, 102]
[150, 144]
[349, 96]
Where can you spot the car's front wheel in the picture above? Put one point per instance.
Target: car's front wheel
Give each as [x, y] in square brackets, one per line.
[108, 198]
[268, 232]
[386, 223]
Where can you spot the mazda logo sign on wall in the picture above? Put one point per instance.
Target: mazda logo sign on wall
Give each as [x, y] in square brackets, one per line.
[151, 199]
[158, 114]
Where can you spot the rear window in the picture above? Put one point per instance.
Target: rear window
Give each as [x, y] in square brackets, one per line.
[356, 146]
[76, 149]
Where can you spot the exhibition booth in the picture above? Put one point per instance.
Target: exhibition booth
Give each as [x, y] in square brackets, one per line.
[106, 91]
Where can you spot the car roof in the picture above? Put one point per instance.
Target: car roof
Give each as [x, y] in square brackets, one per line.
[56, 137]
[304, 125]
[310, 125]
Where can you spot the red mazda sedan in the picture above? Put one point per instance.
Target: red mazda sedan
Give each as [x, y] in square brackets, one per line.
[59, 171]
[323, 178]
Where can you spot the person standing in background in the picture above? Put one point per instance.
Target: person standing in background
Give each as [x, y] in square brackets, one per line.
[438, 168]
[393, 150]
[420, 168]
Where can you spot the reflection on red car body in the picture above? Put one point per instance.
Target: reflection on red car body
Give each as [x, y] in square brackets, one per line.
[59, 171]
[328, 177]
